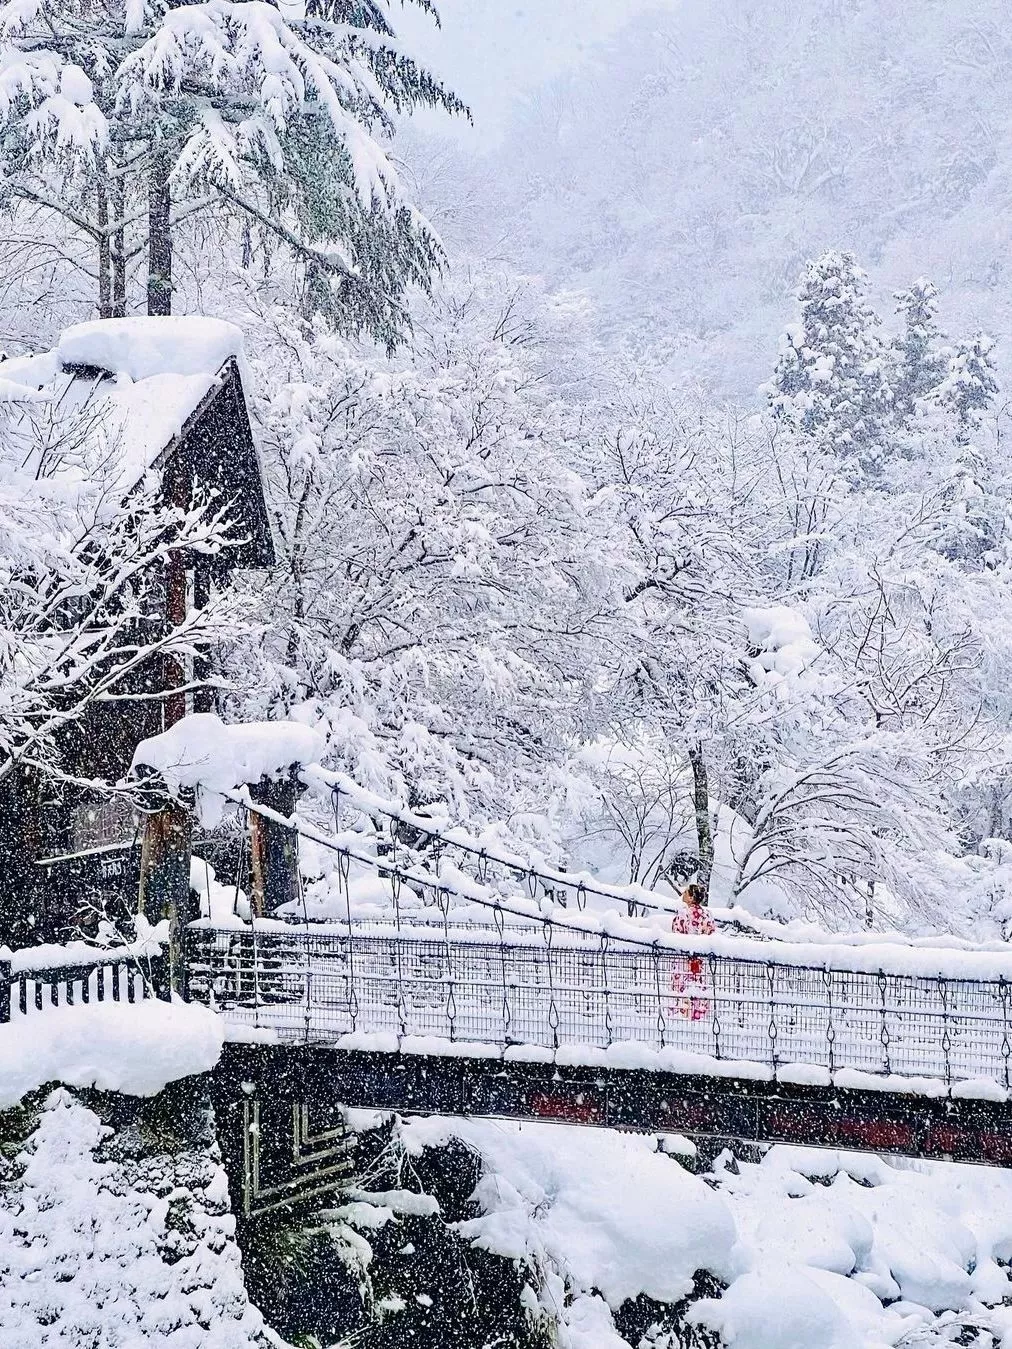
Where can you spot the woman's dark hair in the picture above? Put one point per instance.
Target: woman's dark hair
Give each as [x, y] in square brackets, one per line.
[694, 894]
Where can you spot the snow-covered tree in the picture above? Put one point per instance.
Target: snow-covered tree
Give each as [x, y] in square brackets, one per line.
[899, 572]
[83, 556]
[846, 795]
[672, 490]
[832, 379]
[101, 1247]
[138, 121]
[956, 380]
[628, 810]
[437, 587]
[918, 351]
[968, 386]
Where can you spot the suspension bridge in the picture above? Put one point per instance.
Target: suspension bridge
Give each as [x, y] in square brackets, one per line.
[490, 986]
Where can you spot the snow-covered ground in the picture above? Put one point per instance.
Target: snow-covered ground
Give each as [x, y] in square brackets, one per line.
[820, 1250]
[135, 1048]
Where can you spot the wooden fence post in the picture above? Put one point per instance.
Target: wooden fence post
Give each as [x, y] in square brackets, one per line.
[274, 849]
[165, 881]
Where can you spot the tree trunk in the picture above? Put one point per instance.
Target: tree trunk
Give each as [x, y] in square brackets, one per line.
[996, 817]
[159, 236]
[701, 802]
[104, 259]
[298, 615]
[118, 251]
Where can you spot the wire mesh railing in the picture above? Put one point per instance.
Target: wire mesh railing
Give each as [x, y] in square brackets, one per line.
[554, 990]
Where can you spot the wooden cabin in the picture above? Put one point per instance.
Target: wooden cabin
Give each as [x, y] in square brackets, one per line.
[68, 854]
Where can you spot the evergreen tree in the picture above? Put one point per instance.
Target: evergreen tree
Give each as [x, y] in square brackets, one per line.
[128, 120]
[918, 352]
[831, 382]
[969, 385]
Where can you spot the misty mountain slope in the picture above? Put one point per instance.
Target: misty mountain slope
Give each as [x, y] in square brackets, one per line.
[683, 174]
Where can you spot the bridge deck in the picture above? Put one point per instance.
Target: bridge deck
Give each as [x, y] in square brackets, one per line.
[319, 1082]
[536, 1023]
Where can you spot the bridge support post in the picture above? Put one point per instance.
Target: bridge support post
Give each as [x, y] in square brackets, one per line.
[165, 881]
[274, 849]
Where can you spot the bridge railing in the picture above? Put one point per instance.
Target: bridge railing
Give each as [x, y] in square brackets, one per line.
[35, 980]
[556, 992]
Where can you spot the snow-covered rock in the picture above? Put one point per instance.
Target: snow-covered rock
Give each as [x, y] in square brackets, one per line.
[609, 1211]
[780, 1308]
[818, 1249]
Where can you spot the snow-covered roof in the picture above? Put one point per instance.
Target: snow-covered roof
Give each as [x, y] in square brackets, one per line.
[83, 424]
[142, 348]
[132, 383]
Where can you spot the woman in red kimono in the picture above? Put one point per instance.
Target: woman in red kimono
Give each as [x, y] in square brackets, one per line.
[687, 977]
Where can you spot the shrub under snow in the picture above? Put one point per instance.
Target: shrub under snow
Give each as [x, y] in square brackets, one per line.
[102, 1247]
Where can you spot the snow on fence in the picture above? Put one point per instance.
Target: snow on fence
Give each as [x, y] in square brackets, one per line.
[557, 994]
[37, 979]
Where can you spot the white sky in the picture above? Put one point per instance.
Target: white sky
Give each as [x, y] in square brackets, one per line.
[493, 52]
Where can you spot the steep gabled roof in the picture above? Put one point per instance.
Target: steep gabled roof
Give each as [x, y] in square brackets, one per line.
[141, 394]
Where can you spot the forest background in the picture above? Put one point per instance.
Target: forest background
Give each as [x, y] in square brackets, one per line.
[618, 511]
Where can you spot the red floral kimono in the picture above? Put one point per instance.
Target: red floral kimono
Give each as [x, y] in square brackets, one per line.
[688, 976]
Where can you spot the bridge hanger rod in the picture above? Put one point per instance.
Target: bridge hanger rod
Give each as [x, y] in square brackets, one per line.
[371, 804]
[474, 892]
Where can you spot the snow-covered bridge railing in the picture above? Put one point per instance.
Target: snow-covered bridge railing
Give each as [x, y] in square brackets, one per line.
[485, 961]
[40, 978]
[740, 1008]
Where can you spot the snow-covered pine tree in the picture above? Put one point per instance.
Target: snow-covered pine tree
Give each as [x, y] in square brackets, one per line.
[130, 120]
[831, 382]
[918, 351]
[968, 386]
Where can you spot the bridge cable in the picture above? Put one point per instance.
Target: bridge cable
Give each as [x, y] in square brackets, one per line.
[425, 880]
[548, 877]
[660, 945]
